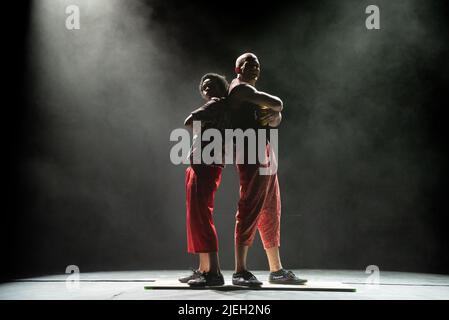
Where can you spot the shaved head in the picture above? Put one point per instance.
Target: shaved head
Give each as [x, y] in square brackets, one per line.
[241, 59]
[247, 67]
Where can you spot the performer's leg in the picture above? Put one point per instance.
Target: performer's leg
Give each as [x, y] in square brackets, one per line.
[214, 263]
[201, 185]
[204, 262]
[269, 224]
[274, 260]
[253, 190]
[252, 197]
[241, 253]
[269, 230]
[209, 262]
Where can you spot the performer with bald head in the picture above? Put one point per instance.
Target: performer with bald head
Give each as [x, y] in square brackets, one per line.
[259, 206]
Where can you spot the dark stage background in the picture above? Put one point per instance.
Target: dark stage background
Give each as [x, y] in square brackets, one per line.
[363, 161]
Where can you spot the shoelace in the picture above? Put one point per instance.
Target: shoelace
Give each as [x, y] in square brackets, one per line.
[286, 273]
[248, 275]
[196, 271]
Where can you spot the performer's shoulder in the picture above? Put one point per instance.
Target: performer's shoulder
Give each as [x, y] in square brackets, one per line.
[215, 102]
[210, 105]
[240, 87]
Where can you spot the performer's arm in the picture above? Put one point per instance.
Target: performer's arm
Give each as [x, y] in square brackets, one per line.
[204, 114]
[262, 99]
[188, 121]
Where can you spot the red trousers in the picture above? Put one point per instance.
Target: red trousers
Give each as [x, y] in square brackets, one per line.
[201, 184]
[259, 207]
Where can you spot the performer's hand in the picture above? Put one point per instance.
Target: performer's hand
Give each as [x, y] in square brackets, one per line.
[262, 114]
[268, 117]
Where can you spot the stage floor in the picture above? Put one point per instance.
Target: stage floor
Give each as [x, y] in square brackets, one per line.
[129, 285]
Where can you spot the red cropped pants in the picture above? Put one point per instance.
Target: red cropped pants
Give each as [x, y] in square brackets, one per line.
[259, 208]
[201, 184]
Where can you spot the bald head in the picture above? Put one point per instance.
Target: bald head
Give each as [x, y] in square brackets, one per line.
[247, 67]
[241, 59]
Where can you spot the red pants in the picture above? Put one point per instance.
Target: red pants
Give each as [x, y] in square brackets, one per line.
[259, 207]
[201, 184]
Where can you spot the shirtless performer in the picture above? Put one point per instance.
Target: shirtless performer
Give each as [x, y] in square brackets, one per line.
[259, 206]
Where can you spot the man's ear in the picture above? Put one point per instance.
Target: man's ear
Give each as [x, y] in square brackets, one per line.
[238, 70]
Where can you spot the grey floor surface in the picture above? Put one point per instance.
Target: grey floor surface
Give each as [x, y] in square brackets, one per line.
[129, 285]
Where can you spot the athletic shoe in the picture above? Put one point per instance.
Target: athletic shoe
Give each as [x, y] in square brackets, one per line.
[284, 277]
[196, 273]
[207, 279]
[245, 279]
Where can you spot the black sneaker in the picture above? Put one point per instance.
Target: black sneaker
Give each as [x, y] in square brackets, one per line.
[284, 277]
[207, 279]
[196, 273]
[245, 279]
